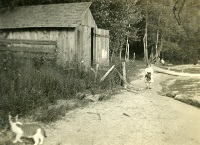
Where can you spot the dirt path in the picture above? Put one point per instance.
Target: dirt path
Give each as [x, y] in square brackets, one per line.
[152, 120]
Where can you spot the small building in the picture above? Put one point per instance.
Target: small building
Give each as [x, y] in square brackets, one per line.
[62, 31]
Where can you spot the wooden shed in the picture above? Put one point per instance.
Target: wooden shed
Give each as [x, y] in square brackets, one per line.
[61, 31]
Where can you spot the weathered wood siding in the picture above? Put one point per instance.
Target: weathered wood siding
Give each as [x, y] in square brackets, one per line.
[30, 35]
[100, 40]
[101, 46]
[83, 38]
[28, 43]
[65, 38]
[87, 45]
[88, 20]
[85, 42]
[66, 46]
[83, 45]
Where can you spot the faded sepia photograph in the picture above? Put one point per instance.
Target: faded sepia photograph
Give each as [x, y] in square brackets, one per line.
[99, 72]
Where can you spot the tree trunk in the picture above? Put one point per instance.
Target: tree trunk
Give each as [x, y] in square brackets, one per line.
[120, 51]
[120, 54]
[127, 51]
[161, 46]
[112, 55]
[146, 38]
[157, 39]
[145, 49]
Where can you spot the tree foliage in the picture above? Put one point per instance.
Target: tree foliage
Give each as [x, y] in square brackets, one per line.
[120, 18]
[174, 38]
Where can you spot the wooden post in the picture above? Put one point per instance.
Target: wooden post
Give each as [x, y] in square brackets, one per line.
[121, 77]
[120, 54]
[134, 56]
[127, 51]
[95, 72]
[146, 37]
[152, 57]
[97, 69]
[124, 73]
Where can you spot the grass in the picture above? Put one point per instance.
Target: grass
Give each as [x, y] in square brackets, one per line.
[42, 91]
[133, 69]
[26, 85]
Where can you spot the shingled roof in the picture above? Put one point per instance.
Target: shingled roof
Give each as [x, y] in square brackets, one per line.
[52, 15]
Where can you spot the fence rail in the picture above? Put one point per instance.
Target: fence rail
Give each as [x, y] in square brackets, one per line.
[25, 49]
[31, 42]
[29, 48]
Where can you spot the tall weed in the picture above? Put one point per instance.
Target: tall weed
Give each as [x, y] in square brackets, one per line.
[27, 84]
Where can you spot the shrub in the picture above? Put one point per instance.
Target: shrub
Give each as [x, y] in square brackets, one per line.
[26, 85]
[184, 54]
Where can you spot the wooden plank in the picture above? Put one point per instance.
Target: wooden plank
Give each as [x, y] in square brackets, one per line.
[46, 56]
[107, 73]
[26, 34]
[102, 35]
[99, 49]
[71, 40]
[32, 55]
[46, 35]
[60, 49]
[53, 35]
[84, 44]
[33, 35]
[87, 46]
[94, 47]
[65, 46]
[9, 36]
[25, 49]
[102, 46]
[107, 48]
[32, 42]
[80, 43]
[18, 36]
